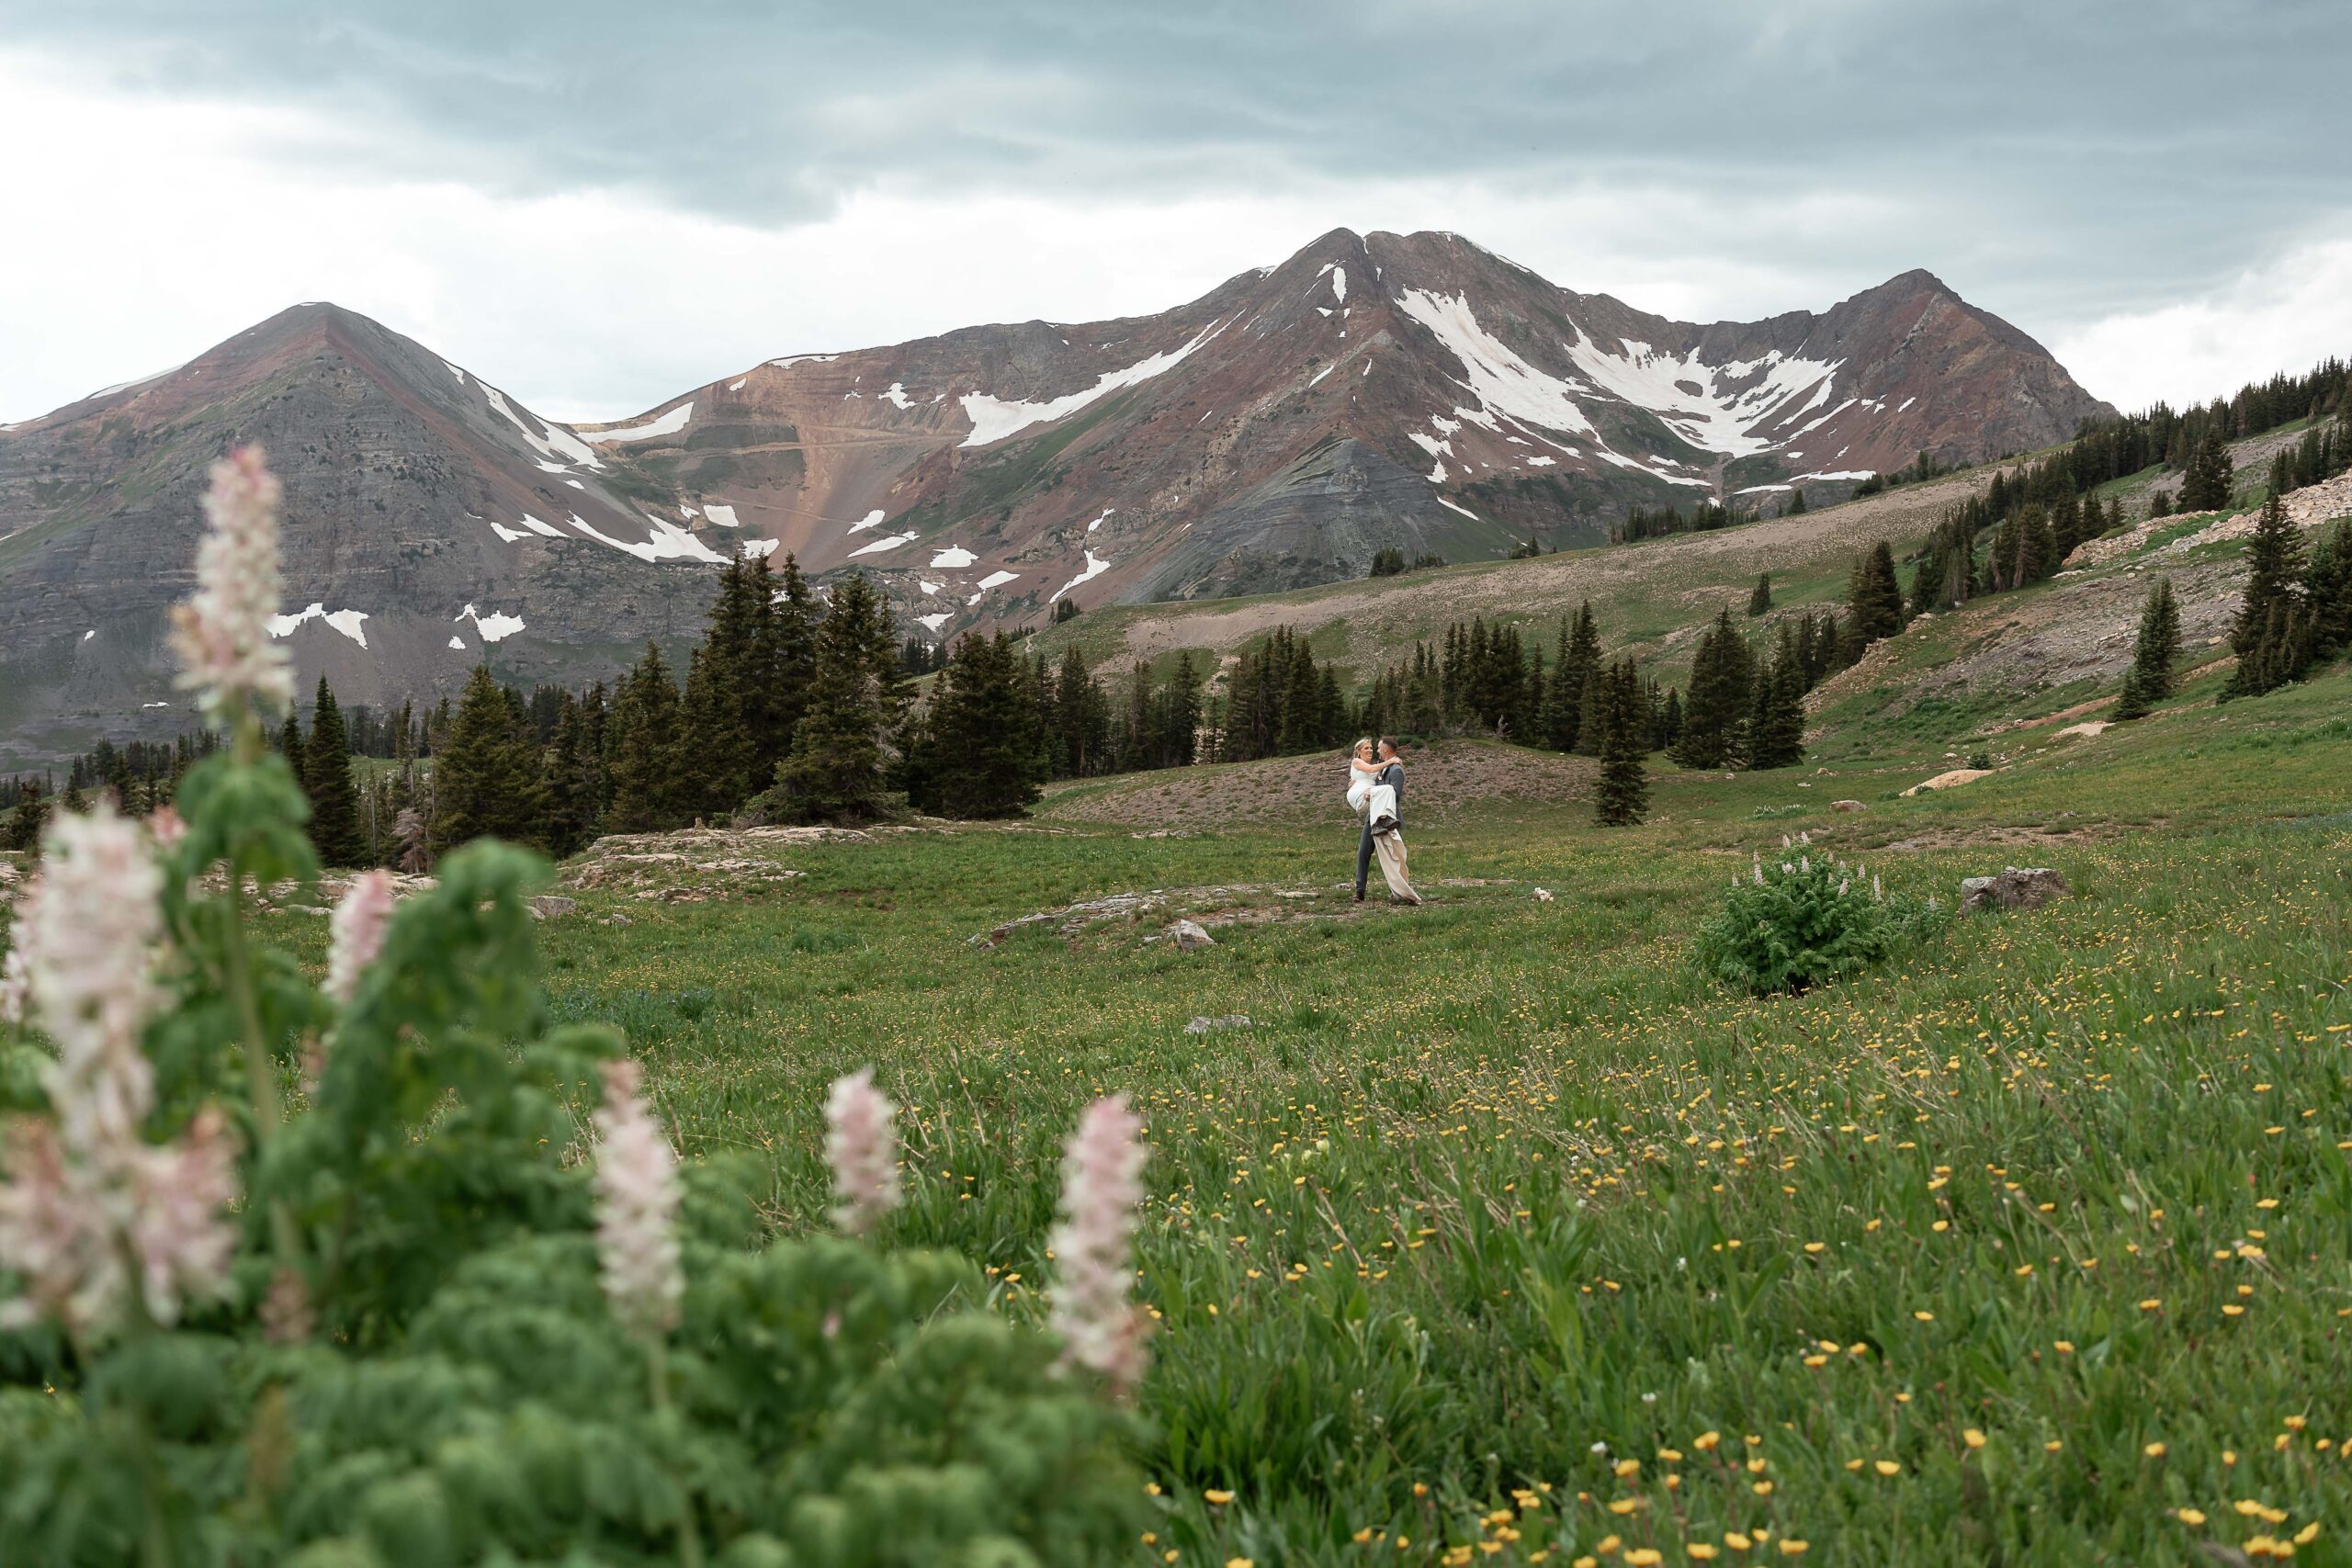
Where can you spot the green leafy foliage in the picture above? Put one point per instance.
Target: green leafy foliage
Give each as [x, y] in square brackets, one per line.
[1803, 920]
[417, 1363]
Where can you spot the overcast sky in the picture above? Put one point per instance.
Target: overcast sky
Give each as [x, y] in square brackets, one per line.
[600, 204]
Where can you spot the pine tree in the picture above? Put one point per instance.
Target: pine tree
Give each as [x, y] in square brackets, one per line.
[1760, 601]
[1874, 599]
[567, 784]
[715, 757]
[1716, 702]
[21, 834]
[2149, 679]
[484, 780]
[326, 779]
[786, 663]
[1180, 721]
[2205, 483]
[2327, 589]
[1777, 738]
[642, 745]
[1622, 797]
[981, 726]
[2270, 631]
[1580, 654]
[834, 772]
[1795, 508]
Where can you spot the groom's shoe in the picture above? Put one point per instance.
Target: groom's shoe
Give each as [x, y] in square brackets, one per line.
[1359, 895]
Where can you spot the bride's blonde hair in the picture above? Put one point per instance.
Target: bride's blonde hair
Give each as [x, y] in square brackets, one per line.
[1362, 746]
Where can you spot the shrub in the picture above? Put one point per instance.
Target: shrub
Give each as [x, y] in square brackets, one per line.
[334, 1275]
[1804, 918]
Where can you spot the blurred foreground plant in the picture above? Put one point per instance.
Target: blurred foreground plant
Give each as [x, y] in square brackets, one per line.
[420, 1318]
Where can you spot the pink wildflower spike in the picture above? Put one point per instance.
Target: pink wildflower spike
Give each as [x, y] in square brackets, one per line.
[357, 932]
[1101, 1191]
[177, 1233]
[862, 1147]
[90, 939]
[166, 827]
[221, 634]
[637, 1207]
[53, 1236]
[16, 968]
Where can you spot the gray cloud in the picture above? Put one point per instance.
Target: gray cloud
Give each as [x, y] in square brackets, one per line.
[2060, 161]
[2142, 139]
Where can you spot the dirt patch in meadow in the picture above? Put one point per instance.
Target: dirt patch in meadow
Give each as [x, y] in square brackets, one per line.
[1440, 781]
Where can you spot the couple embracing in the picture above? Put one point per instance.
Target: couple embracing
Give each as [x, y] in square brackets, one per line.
[1376, 793]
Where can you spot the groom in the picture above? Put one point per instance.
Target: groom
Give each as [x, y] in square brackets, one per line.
[1392, 774]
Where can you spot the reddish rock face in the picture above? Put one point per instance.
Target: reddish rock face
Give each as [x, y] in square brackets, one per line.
[1406, 391]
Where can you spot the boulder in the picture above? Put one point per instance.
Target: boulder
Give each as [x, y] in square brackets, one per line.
[1223, 1020]
[1948, 780]
[1190, 934]
[1847, 805]
[2014, 889]
[553, 906]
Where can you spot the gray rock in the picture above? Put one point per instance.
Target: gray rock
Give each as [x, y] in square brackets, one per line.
[618, 920]
[1847, 805]
[2014, 889]
[1190, 934]
[553, 906]
[1223, 1020]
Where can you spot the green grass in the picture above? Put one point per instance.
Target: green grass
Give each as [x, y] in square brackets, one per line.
[1498, 1195]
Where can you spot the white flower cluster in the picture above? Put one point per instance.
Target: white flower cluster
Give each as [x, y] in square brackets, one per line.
[637, 1210]
[1092, 1247]
[92, 1215]
[221, 634]
[862, 1147]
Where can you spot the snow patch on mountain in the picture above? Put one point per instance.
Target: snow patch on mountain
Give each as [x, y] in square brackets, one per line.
[509, 535]
[1502, 381]
[954, 555]
[932, 622]
[541, 526]
[492, 628]
[557, 442]
[1733, 400]
[872, 519]
[668, 423]
[891, 543]
[993, 419]
[896, 395]
[1095, 566]
[724, 516]
[1466, 512]
[347, 622]
[669, 542]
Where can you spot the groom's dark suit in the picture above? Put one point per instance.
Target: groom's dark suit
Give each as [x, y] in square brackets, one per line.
[1392, 774]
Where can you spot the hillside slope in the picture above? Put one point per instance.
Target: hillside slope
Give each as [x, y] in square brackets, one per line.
[2009, 654]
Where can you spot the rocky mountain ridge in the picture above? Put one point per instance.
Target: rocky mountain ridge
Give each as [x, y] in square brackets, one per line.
[1373, 391]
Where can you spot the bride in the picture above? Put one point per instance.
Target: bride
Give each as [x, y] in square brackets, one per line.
[1374, 784]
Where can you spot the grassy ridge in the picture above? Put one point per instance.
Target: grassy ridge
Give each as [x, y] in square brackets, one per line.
[1497, 1199]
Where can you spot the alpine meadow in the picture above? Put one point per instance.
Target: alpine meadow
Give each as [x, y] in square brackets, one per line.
[1393, 916]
